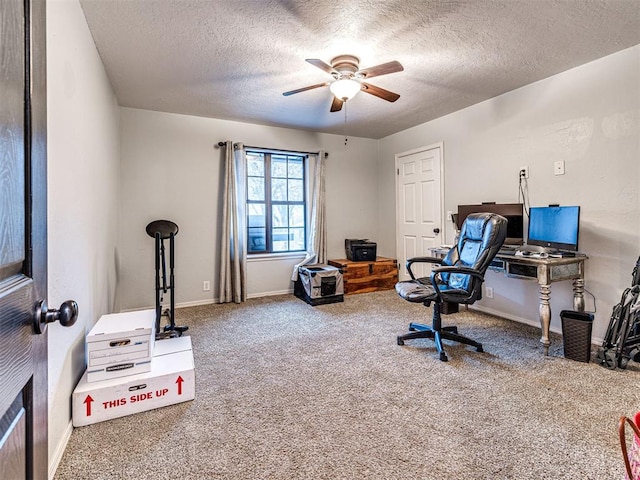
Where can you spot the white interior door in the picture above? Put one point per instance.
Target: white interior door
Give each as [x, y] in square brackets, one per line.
[419, 206]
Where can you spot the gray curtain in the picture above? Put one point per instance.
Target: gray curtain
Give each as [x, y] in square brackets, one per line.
[233, 255]
[317, 234]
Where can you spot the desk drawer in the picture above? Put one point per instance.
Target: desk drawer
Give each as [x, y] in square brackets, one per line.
[564, 272]
[522, 271]
[497, 265]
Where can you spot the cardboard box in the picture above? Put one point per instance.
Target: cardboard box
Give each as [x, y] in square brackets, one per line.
[121, 344]
[170, 381]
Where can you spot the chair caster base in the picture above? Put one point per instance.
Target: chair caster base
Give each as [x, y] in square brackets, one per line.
[438, 334]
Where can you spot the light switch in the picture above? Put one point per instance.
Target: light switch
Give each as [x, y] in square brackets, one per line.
[558, 167]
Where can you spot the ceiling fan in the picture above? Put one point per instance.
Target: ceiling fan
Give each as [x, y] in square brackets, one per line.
[349, 79]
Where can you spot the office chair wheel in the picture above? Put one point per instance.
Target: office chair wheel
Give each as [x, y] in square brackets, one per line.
[400, 341]
[443, 357]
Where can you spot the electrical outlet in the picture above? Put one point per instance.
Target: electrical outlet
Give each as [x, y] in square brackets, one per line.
[489, 292]
[558, 167]
[206, 286]
[523, 172]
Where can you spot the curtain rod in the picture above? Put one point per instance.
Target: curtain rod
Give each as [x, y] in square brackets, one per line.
[222, 144]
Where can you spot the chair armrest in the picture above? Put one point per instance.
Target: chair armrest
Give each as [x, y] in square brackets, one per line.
[435, 274]
[413, 260]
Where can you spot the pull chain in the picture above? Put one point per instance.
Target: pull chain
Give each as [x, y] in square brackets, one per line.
[345, 122]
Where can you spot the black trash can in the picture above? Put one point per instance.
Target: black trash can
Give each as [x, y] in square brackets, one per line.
[576, 335]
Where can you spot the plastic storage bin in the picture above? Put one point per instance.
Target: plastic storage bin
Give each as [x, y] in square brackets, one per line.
[576, 335]
[319, 284]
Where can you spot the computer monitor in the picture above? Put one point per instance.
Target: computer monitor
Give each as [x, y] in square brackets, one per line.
[511, 211]
[554, 227]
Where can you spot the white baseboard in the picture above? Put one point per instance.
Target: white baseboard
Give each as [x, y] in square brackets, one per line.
[250, 295]
[211, 301]
[270, 294]
[60, 448]
[527, 321]
[196, 303]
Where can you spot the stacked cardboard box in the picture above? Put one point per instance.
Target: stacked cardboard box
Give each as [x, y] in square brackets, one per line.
[165, 378]
[121, 344]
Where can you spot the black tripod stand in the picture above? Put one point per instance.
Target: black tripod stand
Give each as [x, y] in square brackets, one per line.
[161, 230]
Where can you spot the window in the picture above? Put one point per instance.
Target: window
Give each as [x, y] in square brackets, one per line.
[276, 202]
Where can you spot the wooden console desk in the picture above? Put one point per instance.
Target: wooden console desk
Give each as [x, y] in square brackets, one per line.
[545, 271]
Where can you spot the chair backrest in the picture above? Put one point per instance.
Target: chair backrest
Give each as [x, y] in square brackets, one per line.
[481, 237]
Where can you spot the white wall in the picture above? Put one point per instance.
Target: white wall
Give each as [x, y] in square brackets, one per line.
[172, 170]
[83, 153]
[590, 118]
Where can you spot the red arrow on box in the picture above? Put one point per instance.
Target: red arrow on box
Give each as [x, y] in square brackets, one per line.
[88, 401]
[179, 382]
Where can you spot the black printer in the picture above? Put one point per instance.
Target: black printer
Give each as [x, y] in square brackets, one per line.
[360, 250]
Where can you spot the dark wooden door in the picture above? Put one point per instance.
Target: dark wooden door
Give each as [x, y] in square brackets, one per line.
[23, 240]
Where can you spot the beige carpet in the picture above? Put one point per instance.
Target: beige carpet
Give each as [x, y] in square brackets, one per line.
[289, 391]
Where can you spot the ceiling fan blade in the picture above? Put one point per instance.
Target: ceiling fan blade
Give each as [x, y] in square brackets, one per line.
[336, 105]
[304, 89]
[380, 92]
[383, 69]
[322, 65]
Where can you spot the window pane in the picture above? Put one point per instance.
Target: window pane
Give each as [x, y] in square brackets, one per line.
[297, 239]
[279, 190]
[279, 166]
[276, 215]
[280, 239]
[255, 164]
[296, 191]
[280, 217]
[257, 240]
[296, 216]
[256, 215]
[255, 188]
[296, 167]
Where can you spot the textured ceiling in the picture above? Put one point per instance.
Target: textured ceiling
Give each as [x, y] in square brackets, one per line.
[233, 59]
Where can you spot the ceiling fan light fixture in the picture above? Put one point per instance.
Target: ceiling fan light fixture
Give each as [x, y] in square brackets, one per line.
[345, 89]
[349, 79]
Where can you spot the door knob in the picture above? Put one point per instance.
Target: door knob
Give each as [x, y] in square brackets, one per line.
[436, 231]
[66, 315]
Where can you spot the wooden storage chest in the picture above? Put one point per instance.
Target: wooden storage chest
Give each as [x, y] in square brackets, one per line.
[367, 276]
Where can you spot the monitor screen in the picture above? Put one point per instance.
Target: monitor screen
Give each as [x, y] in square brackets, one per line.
[554, 227]
[511, 211]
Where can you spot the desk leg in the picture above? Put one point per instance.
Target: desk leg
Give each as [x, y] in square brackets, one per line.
[578, 294]
[545, 316]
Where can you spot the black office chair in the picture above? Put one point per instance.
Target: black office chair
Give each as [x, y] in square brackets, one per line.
[458, 279]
